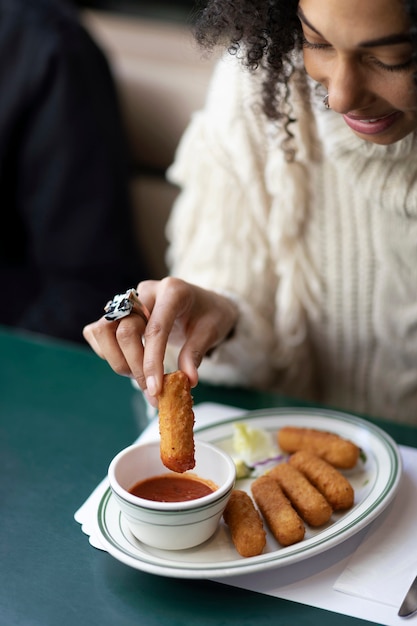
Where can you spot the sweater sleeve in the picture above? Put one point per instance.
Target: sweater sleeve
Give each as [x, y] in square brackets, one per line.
[218, 227]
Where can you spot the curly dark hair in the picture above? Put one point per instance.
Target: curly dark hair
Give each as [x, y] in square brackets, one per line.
[265, 33]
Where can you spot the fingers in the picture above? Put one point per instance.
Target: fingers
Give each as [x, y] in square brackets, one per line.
[216, 321]
[119, 343]
[193, 318]
[174, 314]
[190, 317]
[89, 336]
[165, 302]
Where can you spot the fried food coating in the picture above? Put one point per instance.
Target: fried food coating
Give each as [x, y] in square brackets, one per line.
[327, 479]
[309, 503]
[176, 423]
[339, 452]
[245, 524]
[282, 519]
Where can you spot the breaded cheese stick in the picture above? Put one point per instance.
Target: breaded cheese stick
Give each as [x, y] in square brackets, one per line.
[283, 521]
[337, 451]
[327, 479]
[245, 524]
[176, 423]
[309, 503]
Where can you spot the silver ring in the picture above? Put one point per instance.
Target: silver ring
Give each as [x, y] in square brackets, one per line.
[124, 304]
[326, 101]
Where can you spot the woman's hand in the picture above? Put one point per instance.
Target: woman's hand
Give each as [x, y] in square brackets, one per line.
[190, 317]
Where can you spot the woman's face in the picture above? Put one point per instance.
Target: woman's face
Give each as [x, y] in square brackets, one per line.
[359, 50]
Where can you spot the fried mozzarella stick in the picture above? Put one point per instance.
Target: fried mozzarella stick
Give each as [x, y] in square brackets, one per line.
[283, 521]
[245, 523]
[176, 423]
[337, 451]
[327, 479]
[309, 503]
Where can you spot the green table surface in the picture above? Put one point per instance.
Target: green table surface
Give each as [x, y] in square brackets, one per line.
[63, 416]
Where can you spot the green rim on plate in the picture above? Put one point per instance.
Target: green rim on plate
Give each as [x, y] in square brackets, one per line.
[376, 482]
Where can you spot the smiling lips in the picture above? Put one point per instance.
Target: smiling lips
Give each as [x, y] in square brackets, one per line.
[371, 125]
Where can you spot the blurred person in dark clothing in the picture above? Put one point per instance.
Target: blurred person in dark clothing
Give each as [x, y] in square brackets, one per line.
[66, 240]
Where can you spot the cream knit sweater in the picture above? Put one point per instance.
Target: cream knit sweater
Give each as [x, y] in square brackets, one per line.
[319, 254]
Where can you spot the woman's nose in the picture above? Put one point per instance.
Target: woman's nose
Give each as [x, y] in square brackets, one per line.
[346, 86]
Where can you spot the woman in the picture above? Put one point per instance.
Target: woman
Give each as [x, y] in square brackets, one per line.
[294, 241]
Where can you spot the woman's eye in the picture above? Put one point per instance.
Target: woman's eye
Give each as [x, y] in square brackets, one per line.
[314, 46]
[396, 67]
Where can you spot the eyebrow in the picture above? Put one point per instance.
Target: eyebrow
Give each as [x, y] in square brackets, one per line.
[389, 40]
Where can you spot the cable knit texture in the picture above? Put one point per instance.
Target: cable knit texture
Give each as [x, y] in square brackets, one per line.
[320, 254]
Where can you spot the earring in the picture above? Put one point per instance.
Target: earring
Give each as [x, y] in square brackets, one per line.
[326, 101]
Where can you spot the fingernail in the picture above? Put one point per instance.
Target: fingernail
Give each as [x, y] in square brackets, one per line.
[150, 399]
[151, 385]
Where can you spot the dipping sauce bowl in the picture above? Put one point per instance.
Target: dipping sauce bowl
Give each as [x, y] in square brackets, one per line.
[172, 525]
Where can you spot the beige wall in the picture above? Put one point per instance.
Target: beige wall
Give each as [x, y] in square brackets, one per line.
[162, 77]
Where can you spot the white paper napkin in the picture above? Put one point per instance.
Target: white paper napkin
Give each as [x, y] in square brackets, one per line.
[385, 564]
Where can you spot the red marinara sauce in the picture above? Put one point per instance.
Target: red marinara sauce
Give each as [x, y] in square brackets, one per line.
[172, 488]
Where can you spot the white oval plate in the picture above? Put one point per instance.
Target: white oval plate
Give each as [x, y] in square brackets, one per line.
[375, 482]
